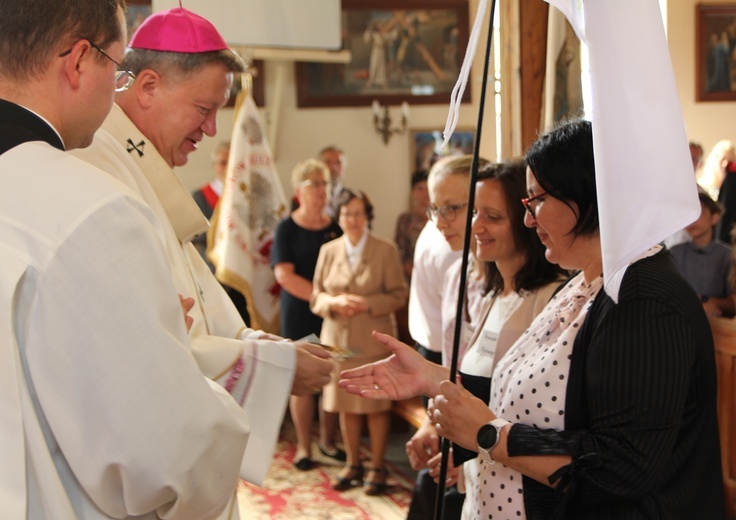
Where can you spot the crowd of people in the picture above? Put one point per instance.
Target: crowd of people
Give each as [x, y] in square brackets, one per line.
[132, 386]
[598, 409]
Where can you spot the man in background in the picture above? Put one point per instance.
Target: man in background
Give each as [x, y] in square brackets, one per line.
[104, 412]
[336, 162]
[208, 195]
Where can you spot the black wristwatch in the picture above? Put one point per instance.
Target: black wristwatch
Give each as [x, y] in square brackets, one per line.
[488, 437]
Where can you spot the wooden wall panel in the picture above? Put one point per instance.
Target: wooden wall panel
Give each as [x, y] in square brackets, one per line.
[533, 49]
[724, 336]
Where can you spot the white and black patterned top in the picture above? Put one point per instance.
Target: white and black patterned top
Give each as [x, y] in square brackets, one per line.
[529, 387]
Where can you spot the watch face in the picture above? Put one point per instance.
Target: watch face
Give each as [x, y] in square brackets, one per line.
[487, 436]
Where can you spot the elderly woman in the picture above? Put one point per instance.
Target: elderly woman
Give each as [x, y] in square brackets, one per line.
[297, 241]
[600, 410]
[358, 285]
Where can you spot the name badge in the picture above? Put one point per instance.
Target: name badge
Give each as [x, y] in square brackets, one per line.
[487, 343]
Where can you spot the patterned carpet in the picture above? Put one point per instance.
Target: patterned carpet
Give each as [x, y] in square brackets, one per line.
[290, 494]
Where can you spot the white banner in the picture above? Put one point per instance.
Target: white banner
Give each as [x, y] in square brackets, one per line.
[251, 205]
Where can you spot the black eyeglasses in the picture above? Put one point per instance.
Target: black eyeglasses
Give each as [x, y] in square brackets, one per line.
[527, 202]
[123, 78]
[448, 212]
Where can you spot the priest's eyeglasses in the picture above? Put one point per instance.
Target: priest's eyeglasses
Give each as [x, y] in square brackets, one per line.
[448, 212]
[531, 203]
[123, 78]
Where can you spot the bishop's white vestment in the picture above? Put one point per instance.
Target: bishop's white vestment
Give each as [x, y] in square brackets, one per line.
[257, 373]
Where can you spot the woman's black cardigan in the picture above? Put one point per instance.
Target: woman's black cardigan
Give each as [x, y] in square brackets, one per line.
[640, 411]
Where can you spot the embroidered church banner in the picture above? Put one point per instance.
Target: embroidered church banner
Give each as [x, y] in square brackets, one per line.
[251, 205]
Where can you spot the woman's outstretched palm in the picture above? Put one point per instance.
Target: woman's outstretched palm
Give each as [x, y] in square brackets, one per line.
[403, 375]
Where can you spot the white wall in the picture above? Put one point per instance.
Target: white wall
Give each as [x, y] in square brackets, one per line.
[382, 171]
[706, 122]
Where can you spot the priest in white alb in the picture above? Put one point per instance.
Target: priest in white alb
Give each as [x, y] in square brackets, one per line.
[103, 411]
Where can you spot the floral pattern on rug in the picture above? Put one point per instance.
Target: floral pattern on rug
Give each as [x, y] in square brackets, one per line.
[292, 494]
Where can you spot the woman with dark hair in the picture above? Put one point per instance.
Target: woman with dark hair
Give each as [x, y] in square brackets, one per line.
[508, 253]
[358, 285]
[601, 409]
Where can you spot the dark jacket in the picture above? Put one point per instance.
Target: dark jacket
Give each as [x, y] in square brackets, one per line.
[640, 412]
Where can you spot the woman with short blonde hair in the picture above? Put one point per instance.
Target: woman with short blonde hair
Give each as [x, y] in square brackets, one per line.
[305, 169]
[296, 245]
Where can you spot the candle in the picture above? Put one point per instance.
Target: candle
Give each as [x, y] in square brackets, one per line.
[376, 108]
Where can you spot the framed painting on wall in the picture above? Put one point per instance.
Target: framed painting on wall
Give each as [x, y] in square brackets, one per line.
[715, 52]
[426, 146]
[137, 11]
[402, 50]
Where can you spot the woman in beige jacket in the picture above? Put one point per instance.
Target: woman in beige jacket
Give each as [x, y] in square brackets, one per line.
[358, 285]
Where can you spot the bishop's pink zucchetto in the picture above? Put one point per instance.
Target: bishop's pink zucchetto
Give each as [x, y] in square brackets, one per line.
[177, 30]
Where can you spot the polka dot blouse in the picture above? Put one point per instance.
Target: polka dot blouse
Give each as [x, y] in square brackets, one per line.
[529, 387]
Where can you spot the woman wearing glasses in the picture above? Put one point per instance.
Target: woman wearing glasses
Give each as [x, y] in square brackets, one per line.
[449, 185]
[358, 285]
[436, 258]
[296, 245]
[599, 410]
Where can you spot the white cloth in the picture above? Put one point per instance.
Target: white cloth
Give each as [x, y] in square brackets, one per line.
[112, 417]
[245, 219]
[639, 137]
[216, 185]
[377, 73]
[355, 252]
[432, 258]
[679, 237]
[257, 373]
